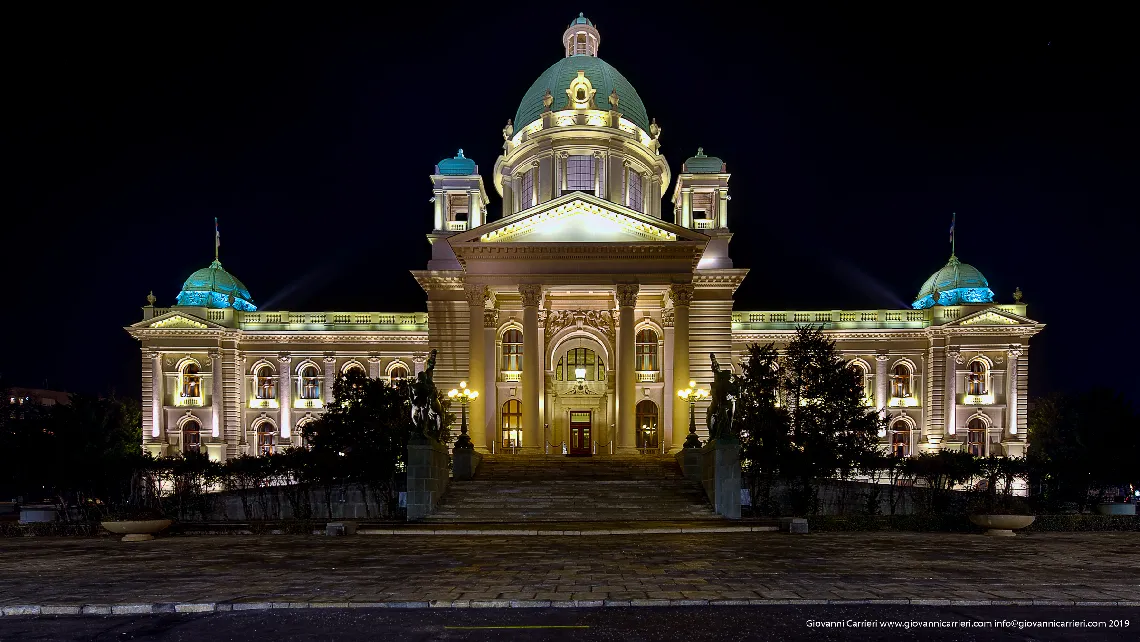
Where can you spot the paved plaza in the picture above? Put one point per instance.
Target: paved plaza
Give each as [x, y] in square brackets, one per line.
[236, 572]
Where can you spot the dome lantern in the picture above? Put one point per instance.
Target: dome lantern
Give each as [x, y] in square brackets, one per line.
[581, 38]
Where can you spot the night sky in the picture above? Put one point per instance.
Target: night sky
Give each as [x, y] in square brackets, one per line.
[851, 137]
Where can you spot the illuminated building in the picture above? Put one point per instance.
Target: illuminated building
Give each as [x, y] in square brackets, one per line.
[579, 311]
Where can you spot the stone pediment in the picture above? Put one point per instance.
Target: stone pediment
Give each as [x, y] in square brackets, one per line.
[994, 317]
[176, 321]
[578, 218]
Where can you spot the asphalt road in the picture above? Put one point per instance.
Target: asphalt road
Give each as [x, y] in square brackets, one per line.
[625, 624]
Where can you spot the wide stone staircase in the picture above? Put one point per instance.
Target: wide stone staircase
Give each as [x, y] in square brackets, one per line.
[542, 488]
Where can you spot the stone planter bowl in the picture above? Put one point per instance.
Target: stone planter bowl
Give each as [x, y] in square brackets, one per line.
[1001, 525]
[140, 530]
[1116, 509]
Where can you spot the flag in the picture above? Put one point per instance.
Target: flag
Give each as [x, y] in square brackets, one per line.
[217, 238]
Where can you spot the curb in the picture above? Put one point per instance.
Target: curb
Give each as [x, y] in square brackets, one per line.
[499, 532]
[224, 607]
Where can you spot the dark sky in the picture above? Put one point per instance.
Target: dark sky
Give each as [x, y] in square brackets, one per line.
[852, 133]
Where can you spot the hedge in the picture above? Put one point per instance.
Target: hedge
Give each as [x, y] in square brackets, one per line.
[961, 523]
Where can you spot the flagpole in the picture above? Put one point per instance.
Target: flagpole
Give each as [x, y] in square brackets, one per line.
[217, 238]
[953, 241]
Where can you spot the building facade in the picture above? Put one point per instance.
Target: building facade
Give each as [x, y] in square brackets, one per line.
[578, 312]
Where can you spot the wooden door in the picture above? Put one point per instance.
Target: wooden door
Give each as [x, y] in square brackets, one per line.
[580, 432]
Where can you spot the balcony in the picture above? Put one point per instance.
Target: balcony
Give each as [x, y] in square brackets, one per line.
[188, 402]
[703, 224]
[977, 400]
[511, 375]
[457, 226]
[647, 376]
[263, 403]
[903, 402]
[308, 403]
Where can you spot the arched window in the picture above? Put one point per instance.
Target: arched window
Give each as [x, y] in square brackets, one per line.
[266, 438]
[583, 359]
[647, 437]
[191, 380]
[512, 350]
[861, 378]
[646, 346]
[355, 367]
[976, 437]
[397, 374]
[310, 383]
[512, 424]
[265, 384]
[192, 436]
[976, 380]
[636, 202]
[900, 381]
[900, 439]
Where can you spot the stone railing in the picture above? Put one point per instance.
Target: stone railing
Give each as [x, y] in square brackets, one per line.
[511, 375]
[647, 376]
[857, 319]
[285, 320]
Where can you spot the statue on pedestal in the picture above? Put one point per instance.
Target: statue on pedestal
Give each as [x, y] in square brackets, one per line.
[614, 100]
[547, 100]
[509, 130]
[427, 413]
[723, 402]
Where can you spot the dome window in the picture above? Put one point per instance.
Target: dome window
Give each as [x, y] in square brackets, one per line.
[581, 93]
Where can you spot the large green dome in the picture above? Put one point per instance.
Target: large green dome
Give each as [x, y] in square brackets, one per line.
[213, 287]
[954, 284]
[603, 77]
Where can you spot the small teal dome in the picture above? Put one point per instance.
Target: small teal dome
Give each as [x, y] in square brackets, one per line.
[458, 166]
[701, 164]
[582, 20]
[213, 287]
[603, 78]
[954, 284]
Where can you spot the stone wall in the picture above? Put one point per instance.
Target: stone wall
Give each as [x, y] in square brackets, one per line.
[428, 474]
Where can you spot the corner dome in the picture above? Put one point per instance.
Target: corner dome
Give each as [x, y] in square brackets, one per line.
[701, 164]
[213, 287]
[956, 283]
[458, 166]
[603, 77]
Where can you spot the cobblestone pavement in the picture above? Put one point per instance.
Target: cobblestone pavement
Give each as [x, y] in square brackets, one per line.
[262, 572]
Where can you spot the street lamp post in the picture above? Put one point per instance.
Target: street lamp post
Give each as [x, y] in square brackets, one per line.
[463, 395]
[693, 394]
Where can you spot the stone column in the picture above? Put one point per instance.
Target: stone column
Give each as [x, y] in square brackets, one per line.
[419, 362]
[438, 209]
[532, 367]
[156, 427]
[330, 377]
[951, 379]
[373, 366]
[489, 399]
[1011, 389]
[722, 202]
[474, 209]
[682, 295]
[476, 423]
[243, 400]
[284, 396]
[215, 393]
[508, 195]
[654, 207]
[686, 207]
[626, 377]
[669, 399]
[881, 383]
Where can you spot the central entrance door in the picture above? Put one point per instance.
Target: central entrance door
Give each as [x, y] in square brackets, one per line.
[580, 432]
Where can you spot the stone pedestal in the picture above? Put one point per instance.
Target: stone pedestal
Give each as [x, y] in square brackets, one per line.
[689, 459]
[720, 475]
[427, 476]
[464, 462]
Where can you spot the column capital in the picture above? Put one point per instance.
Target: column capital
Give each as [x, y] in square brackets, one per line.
[882, 356]
[668, 316]
[475, 293]
[419, 357]
[330, 357]
[531, 294]
[214, 354]
[490, 318]
[1014, 351]
[373, 357]
[284, 357]
[626, 294]
[682, 294]
[152, 354]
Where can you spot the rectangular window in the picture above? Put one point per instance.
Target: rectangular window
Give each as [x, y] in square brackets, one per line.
[635, 199]
[580, 174]
[526, 192]
[457, 206]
